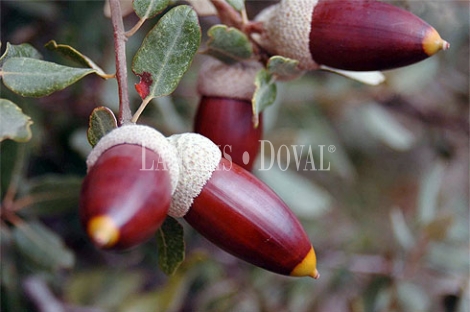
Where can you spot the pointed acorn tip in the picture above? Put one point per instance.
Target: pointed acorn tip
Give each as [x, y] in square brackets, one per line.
[315, 274]
[307, 267]
[103, 231]
[445, 45]
[433, 43]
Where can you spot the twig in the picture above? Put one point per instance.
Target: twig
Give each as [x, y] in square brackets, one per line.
[244, 16]
[16, 176]
[136, 27]
[125, 114]
[31, 199]
[141, 109]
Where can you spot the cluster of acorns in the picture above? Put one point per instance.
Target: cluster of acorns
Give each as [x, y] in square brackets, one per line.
[136, 176]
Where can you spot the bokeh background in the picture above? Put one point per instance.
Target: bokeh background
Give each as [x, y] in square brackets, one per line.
[389, 220]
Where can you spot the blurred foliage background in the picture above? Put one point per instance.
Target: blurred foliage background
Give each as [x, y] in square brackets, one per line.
[389, 220]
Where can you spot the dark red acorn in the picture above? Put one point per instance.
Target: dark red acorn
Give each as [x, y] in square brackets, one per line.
[243, 216]
[369, 35]
[228, 122]
[225, 113]
[237, 212]
[126, 194]
[357, 35]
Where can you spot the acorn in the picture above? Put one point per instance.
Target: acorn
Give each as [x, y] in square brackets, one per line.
[126, 194]
[237, 212]
[356, 35]
[225, 113]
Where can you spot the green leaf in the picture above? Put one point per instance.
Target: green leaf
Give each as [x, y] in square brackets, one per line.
[445, 256]
[167, 52]
[21, 50]
[13, 123]
[170, 245]
[42, 246]
[284, 68]
[384, 127]
[412, 297]
[102, 121]
[265, 93]
[228, 44]
[53, 195]
[402, 232]
[36, 78]
[429, 193]
[149, 8]
[238, 5]
[76, 56]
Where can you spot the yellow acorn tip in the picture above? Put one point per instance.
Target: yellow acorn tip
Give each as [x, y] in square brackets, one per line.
[103, 231]
[433, 43]
[307, 267]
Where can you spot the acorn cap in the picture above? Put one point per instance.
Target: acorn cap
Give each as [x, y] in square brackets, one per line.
[144, 136]
[287, 31]
[198, 157]
[235, 81]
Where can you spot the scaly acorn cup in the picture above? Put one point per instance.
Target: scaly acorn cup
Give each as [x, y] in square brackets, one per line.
[225, 113]
[125, 196]
[357, 35]
[237, 212]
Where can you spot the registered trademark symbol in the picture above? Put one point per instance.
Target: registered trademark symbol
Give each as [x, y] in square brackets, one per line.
[331, 148]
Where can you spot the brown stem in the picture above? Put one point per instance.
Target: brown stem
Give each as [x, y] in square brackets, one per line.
[31, 199]
[141, 109]
[136, 27]
[125, 113]
[227, 14]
